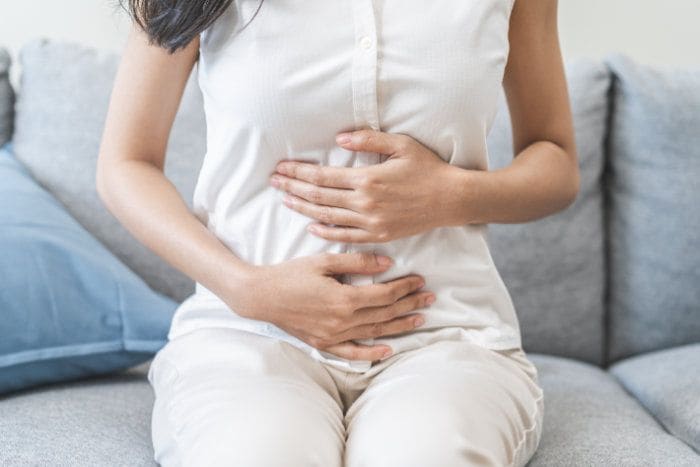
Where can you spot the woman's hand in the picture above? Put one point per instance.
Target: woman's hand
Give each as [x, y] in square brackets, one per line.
[410, 192]
[303, 297]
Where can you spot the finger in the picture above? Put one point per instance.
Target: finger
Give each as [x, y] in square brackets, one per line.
[383, 328]
[385, 293]
[362, 262]
[410, 302]
[322, 213]
[368, 140]
[342, 233]
[322, 175]
[353, 351]
[313, 193]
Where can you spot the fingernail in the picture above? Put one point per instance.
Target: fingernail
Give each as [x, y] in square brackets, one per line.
[386, 353]
[419, 321]
[343, 138]
[384, 260]
[430, 299]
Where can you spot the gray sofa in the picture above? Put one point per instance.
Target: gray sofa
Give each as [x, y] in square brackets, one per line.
[607, 291]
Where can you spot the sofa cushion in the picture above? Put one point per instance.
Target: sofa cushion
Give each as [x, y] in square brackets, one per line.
[667, 382]
[70, 308]
[654, 207]
[554, 266]
[589, 419]
[7, 98]
[61, 110]
[102, 421]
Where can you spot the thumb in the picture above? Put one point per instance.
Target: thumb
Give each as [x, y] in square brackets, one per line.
[365, 262]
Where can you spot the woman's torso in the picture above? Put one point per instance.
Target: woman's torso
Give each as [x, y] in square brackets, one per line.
[300, 73]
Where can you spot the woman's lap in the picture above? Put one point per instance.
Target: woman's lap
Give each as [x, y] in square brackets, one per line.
[449, 403]
[229, 397]
[226, 397]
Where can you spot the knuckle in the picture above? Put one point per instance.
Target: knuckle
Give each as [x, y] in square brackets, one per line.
[326, 259]
[316, 177]
[333, 326]
[395, 310]
[367, 204]
[375, 223]
[383, 235]
[367, 181]
[353, 353]
[395, 292]
[376, 329]
[404, 143]
[367, 259]
[314, 195]
[342, 307]
[390, 294]
[350, 300]
[324, 214]
[315, 342]
[364, 138]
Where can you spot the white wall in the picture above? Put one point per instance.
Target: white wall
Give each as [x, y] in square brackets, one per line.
[665, 32]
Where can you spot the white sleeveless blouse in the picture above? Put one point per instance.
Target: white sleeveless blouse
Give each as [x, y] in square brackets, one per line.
[303, 71]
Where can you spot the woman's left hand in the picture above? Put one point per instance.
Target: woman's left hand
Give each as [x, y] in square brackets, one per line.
[410, 192]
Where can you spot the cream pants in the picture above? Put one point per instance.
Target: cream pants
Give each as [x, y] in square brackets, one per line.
[226, 397]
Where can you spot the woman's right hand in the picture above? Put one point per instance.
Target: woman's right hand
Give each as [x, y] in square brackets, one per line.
[303, 297]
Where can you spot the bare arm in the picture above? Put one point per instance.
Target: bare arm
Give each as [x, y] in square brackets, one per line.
[543, 177]
[130, 179]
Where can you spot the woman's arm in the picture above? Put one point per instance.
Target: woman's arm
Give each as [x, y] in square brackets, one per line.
[543, 177]
[130, 179]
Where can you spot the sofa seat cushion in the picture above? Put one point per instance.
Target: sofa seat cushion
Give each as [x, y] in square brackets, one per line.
[589, 419]
[98, 421]
[667, 382]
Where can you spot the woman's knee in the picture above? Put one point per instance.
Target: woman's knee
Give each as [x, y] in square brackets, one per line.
[277, 442]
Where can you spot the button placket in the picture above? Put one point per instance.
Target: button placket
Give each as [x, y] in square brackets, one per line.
[364, 95]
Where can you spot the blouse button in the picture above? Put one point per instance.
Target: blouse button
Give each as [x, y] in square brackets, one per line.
[366, 42]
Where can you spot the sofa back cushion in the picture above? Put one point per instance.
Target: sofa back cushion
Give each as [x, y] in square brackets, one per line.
[61, 110]
[554, 267]
[654, 180]
[7, 98]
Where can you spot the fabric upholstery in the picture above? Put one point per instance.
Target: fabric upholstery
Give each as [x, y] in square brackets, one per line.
[654, 207]
[102, 421]
[667, 382]
[69, 308]
[7, 98]
[554, 267]
[590, 420]
[61, 111]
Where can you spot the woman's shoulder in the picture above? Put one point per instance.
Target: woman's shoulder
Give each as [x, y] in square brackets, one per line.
[229, 23]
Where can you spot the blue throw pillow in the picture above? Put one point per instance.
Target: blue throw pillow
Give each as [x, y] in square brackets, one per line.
[69, 308]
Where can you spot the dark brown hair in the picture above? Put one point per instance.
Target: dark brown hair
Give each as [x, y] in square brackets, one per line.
[172, 24]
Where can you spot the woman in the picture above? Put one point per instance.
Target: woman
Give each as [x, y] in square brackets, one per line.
[341, 135]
